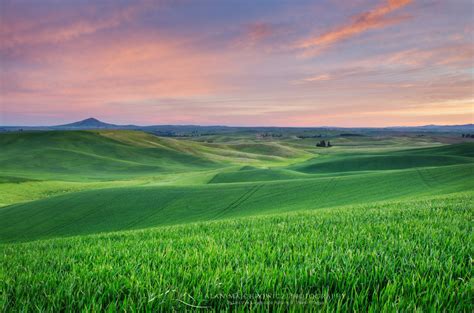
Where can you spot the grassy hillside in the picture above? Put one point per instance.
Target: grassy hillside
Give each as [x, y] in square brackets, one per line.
[87, 155]
[347, 162]
[125, 220]
[35, 165]
[117, 180]
[248, 175]
[233, 150]
[425, 157]
[402, 256]
[121, 208]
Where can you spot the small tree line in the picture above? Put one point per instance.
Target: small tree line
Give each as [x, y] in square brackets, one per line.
[323, 143]
[467, 135]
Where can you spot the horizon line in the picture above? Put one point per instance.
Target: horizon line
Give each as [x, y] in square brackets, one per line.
[238, 126]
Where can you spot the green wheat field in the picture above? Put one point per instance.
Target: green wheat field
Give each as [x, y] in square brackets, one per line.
[119, 220]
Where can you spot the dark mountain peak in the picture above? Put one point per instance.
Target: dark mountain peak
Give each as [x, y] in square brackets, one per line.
[88, 123]
[91, 120]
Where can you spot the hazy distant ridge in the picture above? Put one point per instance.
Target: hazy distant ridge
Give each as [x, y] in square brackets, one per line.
[93, 123]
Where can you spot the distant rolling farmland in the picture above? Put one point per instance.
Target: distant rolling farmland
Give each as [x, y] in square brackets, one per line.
[125, 220]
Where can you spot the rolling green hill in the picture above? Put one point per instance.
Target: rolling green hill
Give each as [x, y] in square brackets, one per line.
[124, 220]
[424, 157]
[343, 163]
[116, 180]
[109, 155]
[381, 162]
[255, 174]
[398, 256]
[121, 208]
[35, 165]
[87, 155]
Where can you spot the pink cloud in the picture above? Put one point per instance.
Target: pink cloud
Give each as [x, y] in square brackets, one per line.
[373, 19]
[60, 26]
[118, 62]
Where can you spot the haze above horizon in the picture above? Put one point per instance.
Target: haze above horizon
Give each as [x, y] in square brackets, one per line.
[91, 122]
[367, 63]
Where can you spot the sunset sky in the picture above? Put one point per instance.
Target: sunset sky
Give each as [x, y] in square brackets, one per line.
[237, 62]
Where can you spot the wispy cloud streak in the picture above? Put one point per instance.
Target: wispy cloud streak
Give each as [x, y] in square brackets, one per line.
[236, 62]
[377, 18]
[59, 26]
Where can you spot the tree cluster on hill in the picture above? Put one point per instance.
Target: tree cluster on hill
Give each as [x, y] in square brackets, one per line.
[323, 143]
[467, 135]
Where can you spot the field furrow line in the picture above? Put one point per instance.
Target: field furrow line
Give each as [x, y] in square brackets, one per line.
[235, 204]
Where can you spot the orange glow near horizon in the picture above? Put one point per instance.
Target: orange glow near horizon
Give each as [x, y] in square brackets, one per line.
[311, 63]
